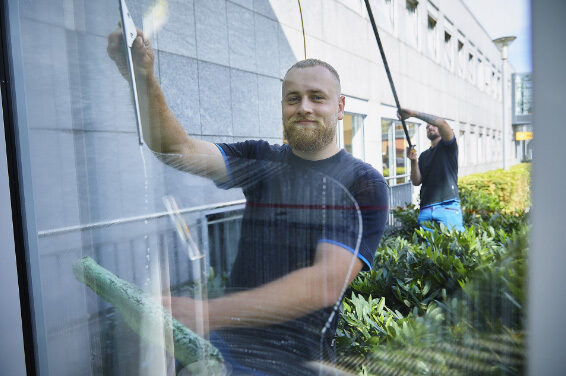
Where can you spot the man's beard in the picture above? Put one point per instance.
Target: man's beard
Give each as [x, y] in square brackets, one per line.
[432, 136]
[311, 138]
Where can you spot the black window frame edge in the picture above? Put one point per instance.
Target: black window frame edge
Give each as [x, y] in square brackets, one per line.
[18, 217]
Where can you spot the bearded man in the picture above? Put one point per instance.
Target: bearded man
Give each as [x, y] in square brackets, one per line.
[313, 219]
[437, 171]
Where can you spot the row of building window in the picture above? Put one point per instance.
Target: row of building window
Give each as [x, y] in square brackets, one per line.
[476, 145]
[442, 42]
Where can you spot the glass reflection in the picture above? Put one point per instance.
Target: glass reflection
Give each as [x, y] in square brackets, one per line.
[141, 216]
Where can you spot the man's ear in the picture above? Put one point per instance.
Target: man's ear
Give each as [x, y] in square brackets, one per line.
[341, 104]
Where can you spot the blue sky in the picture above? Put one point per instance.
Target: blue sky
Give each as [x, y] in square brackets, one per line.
[507, 17]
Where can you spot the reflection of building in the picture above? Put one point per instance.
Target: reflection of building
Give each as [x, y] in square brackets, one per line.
[522, 115]
[442, 60]
[394, 149]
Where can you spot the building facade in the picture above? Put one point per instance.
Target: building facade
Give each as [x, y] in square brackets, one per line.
[523, 115]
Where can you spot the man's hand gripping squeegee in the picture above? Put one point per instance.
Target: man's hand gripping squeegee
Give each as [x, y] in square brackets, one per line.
[149, 319]
[374, 26]
[130, 34]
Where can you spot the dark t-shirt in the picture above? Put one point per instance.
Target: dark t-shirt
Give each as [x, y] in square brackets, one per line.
[439, 173]
[292, 204]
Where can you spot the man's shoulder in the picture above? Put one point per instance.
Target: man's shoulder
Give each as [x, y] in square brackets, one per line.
[362, 170]
[450, 145]
[255, 149]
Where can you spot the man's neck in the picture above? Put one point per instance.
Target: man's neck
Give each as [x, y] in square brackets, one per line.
[327, 152]
[434, 142]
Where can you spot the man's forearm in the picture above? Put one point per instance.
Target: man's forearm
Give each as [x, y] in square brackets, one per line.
[295, 295]
[162, 131]
[430, 119]
[415, 173]
[443, 127]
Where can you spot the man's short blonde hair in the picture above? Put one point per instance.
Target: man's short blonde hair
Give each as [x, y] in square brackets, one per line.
[307, 63]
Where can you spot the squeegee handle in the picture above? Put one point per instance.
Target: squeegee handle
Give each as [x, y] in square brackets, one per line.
[374, 26]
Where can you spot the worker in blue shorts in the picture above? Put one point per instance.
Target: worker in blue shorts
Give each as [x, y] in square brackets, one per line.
[437, 170]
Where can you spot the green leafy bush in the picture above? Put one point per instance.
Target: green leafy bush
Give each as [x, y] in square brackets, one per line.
[498, 190]
[499, 199]
[437, 292]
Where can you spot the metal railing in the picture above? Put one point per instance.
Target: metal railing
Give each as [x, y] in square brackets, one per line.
[139, 218]
[120, 246]
[400, 195]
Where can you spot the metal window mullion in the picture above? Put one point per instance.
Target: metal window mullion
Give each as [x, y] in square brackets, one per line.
[27, 248]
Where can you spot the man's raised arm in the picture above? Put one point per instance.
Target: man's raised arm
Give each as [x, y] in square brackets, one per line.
[163, 133]
[444, 128]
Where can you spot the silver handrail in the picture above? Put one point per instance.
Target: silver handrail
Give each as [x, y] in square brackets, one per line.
[94, 225]
[397, 176]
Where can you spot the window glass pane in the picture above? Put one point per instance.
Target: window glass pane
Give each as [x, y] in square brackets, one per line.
[348, 133]
[386, 144]
[394, 149]
[461, 59]
[354, 135]
[400, 150]
[412, 22]
[432, 36]
[217, 219]
[385, 15]
[448, 50]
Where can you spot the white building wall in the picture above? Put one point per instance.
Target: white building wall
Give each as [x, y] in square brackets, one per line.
[339, 31]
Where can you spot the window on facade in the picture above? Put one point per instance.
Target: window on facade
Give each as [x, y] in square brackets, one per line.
[431, 36]
[448, 51]
[394, 150]
[412, 22]
[471, 68]
[498, 86]
[411, 6]
[481, 146]
[494, 147]
[522, 94]
[472, 145]
[487, 76]
[385, 14]
[480, 73]
[462, 147]
[353, 135]
[461, 59]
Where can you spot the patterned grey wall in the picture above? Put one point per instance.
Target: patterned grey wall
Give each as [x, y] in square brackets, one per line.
[220, 65]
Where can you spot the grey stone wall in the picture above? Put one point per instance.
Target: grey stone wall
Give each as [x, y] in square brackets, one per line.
[219, 63]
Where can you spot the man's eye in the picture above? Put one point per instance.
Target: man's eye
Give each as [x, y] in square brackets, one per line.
[292, 100]
[318, 98]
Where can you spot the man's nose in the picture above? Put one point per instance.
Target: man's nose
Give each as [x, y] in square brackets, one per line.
[305, 106]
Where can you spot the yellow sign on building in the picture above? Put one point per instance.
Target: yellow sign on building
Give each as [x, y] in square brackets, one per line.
[521, 136]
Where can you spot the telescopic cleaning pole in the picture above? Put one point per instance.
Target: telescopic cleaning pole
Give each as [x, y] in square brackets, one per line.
[373, 25]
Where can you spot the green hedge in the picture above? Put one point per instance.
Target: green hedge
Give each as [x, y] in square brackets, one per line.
[508, 191]
[398, 171]
[446, 302]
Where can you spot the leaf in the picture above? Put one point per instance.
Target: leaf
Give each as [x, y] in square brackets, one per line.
[381, 304]
[512, 300]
